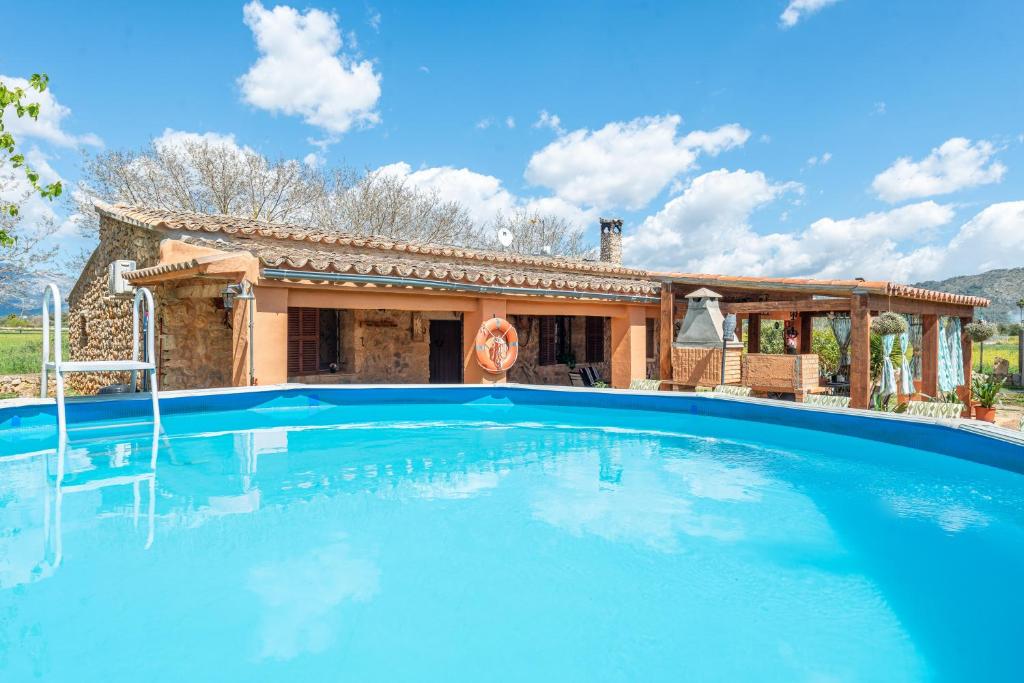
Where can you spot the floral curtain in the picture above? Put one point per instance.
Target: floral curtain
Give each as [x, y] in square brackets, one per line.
[888, 382]
[906, 372]
[841, 330]
[951, 356]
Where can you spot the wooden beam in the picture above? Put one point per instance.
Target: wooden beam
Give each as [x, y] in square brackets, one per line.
[753, 333]
[665, 337]
[860, 351]
[930, 355]
[806, 333]
[880, 303]
[802, 305]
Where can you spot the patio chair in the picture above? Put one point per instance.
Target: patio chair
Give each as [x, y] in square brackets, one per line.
[576, 379]
[589, 375]
[730, 390]
[945, 411]
[827, 401]
[645, 384]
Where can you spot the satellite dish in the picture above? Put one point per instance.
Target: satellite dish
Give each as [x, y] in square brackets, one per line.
[505, 237]
[546, 249]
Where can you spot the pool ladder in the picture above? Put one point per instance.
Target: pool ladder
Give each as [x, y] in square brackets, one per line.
[143, 300]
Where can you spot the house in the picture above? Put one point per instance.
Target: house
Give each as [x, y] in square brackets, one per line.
[337, 308]
[328, 307]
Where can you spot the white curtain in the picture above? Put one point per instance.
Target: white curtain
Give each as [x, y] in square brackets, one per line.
[906, 372]
[888, 384]
[951, 355]
[915, 343]
[841, 330]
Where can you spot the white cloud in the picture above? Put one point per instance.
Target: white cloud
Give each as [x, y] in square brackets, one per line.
[546, 120]
[484, 124]
[373, 20]
[994, 238]
[879, 108]
[485, 196]
[624, 163]
[424, 69]
[822, 160]
[171, 138]
[799, 9]
[49, 125]
[510, 122]
[956, 165]
[302, 71]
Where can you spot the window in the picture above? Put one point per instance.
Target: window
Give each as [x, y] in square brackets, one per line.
[303, 340]
[595, 340]
[651, 338]
[547, 345]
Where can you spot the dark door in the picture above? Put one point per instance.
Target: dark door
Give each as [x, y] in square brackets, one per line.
[446, 352]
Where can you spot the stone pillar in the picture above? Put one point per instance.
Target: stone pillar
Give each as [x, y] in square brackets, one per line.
[754, 333]
[270, 332]
[930, 355]
[472, 373]
[629, 347]
[860, 351]
[666, 329]
[611, 240]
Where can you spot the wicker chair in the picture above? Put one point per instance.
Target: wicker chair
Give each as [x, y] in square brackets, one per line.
[945, 411]
[732, 390]
[645, 384]
[827, 401]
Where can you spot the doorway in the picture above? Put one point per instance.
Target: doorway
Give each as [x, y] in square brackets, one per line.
[446, 352]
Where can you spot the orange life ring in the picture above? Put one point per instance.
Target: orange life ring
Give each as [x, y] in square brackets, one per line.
[497, 345]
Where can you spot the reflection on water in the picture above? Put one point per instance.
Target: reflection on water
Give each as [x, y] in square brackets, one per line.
[332, 547]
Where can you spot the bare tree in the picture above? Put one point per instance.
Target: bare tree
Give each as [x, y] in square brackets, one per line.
[31, 256]
[207, 175]
[534, 233]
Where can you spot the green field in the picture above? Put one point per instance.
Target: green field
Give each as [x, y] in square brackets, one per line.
[1000, 347]
[21, 352]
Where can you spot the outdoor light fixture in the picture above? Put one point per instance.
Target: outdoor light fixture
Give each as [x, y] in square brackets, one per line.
[230, 293]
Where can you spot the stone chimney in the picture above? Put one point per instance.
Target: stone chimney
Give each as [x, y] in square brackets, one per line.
[611, 240]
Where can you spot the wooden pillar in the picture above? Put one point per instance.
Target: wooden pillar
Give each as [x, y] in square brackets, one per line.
[629, 347]
[270, 338]
[665, 328]
[472, 373]
[860, 351]
[806, 332]
[930, 355]
[964, 390]
[754, 333]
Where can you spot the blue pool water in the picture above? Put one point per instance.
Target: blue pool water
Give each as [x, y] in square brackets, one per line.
[503, 535]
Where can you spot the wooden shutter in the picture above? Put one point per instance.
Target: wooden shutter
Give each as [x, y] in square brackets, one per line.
[595, 340]
[303, 341]
[548, 341]
[650, 338]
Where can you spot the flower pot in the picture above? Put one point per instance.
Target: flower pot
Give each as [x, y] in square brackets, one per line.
[986, 414]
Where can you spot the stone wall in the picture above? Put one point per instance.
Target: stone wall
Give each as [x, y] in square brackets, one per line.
[782, 373]
[389, 347]
[194, 343]
[703, 367]
[528, 369]
[24, 386]
[99, 324]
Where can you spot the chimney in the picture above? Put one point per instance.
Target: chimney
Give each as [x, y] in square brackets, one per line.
[611, 240]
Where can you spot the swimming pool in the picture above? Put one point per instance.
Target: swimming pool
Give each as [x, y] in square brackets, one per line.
[504, 534]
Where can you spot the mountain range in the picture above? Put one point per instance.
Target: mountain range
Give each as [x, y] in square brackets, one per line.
[1003, 287]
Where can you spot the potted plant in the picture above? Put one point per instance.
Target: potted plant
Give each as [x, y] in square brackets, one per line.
[985, 390]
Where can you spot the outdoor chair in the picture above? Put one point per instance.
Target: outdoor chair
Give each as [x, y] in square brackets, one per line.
[827, 401]
[589, 375]
[729, 390]
[946, 411]
[576, 379]
[645, 384]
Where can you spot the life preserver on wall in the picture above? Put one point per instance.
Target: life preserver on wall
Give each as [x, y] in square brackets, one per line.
[497, 345]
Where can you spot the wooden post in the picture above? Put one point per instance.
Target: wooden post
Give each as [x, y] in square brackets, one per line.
[666, 328]
[806, 332]
[860, 351]
[930, 355]
[629, 342]
[964, 390]
[754, 333]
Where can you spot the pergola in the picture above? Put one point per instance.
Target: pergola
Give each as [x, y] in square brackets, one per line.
[754, 298]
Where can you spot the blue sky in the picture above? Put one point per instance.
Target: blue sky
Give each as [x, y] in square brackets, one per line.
[745, 137]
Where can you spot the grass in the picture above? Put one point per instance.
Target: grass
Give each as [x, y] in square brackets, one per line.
[21, 352]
